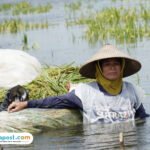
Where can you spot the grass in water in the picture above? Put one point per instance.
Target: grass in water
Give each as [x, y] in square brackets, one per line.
[24, 8]
[125, 25]
[16, 25]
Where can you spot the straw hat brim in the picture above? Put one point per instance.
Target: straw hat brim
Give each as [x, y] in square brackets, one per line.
[131, 65]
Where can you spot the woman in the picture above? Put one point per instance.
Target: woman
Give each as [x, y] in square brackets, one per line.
[108, 99]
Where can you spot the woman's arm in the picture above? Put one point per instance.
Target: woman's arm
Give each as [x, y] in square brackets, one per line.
[69, 100]
[16, 106]
[140, 112]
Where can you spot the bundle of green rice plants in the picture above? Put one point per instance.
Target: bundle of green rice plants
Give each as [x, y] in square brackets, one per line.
[53, 80]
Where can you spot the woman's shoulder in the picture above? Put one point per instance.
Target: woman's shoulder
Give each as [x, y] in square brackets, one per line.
[93, 83]
[126, 83]
[84, 86]
[129, 85]
[134, 88]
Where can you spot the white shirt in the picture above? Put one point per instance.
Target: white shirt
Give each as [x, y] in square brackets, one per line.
[99, 107]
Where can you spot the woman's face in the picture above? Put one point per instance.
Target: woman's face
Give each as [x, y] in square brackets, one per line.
[111, 68]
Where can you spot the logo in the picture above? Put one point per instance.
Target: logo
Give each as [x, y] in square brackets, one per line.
[16, 138]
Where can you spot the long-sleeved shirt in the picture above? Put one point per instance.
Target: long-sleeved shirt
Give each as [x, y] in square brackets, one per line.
[70, 100]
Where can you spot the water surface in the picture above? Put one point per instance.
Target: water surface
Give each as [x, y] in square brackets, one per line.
[60, 45]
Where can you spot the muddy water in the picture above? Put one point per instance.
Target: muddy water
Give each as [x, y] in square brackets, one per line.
[59, 45]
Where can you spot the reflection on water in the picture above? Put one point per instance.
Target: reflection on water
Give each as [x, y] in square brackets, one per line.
[93, 136]
[96, 136]
[61, 45]
[107, 136]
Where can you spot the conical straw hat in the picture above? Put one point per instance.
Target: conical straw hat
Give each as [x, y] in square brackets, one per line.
[108, 51]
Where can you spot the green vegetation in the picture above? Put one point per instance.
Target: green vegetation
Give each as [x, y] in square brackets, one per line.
[5, 7]
[74, 6]
[14, 26]
[121, 24]
[52, 81]
[25, 8]
[25, 42]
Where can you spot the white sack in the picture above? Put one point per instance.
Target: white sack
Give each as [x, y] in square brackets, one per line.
[17, 67]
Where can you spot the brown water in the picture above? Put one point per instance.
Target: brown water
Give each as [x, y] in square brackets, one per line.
[59, 45]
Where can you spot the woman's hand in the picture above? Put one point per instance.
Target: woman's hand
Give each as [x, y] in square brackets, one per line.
[16, 106]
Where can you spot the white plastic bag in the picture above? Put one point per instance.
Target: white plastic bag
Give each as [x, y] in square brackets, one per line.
[17, 67]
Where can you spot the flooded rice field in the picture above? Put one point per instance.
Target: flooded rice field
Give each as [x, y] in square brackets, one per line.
[57, 43]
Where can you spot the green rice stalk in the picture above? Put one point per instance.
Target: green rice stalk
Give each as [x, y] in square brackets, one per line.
[52, 81]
